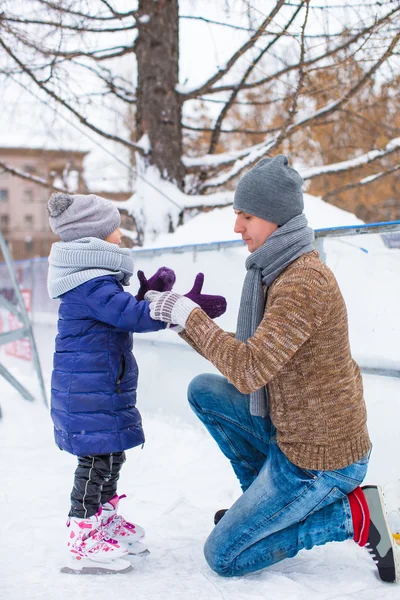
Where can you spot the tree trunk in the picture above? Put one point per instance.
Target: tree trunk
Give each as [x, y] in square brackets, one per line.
[158, 105]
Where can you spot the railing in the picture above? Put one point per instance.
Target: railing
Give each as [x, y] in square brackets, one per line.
[345, 230]
[369, 326]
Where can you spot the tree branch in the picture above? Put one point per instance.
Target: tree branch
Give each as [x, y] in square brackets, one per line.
[248, 159]
[355, 163]
[58, 99]
[295, 99]
[76, 28]
[248, 131]
[361, 182]
[235, 57]
[68, 11]
[242, 102]
[217, 130]
[265, 33]
[329, 53]
[122, 50]
[28, 177]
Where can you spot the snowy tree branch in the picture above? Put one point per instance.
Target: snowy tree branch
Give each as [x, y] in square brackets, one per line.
[362, 182]
[248, 159]
[355, 163]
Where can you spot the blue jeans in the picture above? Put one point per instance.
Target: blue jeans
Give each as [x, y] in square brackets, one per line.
[283, 508]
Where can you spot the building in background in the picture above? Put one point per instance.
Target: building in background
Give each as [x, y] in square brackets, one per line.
[23, 203]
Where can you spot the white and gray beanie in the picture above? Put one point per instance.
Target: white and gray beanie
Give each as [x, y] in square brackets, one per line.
[76, 216]
[271, 190]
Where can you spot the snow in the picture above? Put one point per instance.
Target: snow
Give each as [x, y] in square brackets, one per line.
[174, 485]
[144, 143]
[157, 202]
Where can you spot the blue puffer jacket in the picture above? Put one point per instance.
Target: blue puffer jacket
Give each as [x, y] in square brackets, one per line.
[95, 375]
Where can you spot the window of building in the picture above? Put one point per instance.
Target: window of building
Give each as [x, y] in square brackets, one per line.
[3, 195]
[4, 221]
[29, 169]
[28, 196]
[28, 244]
[28, 221]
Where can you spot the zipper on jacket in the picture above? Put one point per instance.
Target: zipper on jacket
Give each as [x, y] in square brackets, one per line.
[121, 372]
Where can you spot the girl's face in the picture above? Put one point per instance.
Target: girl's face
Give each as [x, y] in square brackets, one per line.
[114, 237]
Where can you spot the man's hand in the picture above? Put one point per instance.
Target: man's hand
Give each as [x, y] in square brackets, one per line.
[170, 307]
[162, 281]
[175, 309]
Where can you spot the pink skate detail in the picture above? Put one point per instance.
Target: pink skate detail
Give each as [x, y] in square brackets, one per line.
[114, 501]
[89, 538]
[83, 525]
[117, 527]
[111, 541]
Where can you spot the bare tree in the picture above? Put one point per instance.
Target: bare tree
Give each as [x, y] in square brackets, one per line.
[131, 59]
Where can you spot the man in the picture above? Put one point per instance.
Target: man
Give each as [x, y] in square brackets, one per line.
[289, 411]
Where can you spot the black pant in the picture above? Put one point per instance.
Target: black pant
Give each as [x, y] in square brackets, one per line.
[95, 483]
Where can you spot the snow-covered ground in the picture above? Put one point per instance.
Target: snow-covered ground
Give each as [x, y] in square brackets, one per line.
[175, 484]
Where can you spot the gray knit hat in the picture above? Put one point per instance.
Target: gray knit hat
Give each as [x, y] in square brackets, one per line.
[77, 216]
[271, 190]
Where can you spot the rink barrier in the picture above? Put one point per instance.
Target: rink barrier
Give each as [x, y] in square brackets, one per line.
[345, 230]
[36, 268]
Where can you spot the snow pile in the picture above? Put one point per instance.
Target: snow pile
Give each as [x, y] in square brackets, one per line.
[157, 204]
[217, 225]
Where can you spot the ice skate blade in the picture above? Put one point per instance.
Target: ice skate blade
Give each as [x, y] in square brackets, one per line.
[137, 549]
[90, 567]
[395, 547]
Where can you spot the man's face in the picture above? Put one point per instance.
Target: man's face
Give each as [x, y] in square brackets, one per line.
[254, 230]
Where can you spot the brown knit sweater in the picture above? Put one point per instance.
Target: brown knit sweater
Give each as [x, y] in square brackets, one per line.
[301, 351]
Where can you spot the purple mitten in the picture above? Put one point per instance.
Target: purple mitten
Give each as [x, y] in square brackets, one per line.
[162, 281]
[214, 306]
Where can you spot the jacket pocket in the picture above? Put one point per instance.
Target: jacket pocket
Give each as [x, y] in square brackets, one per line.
[121, 373]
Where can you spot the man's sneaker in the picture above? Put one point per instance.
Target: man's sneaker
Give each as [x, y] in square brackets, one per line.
[128, 535]
[91, 551]
[381, 544]
[219, 514]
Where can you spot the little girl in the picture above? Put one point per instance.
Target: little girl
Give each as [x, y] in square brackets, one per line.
[95, 375]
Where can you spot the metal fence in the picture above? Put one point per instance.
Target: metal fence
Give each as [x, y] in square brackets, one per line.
[338, 246]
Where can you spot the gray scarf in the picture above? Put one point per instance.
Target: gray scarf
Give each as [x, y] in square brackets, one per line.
[74, 263]
[263, 266]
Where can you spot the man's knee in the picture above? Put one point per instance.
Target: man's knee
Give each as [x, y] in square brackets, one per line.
[215, 557]
[199, 388]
